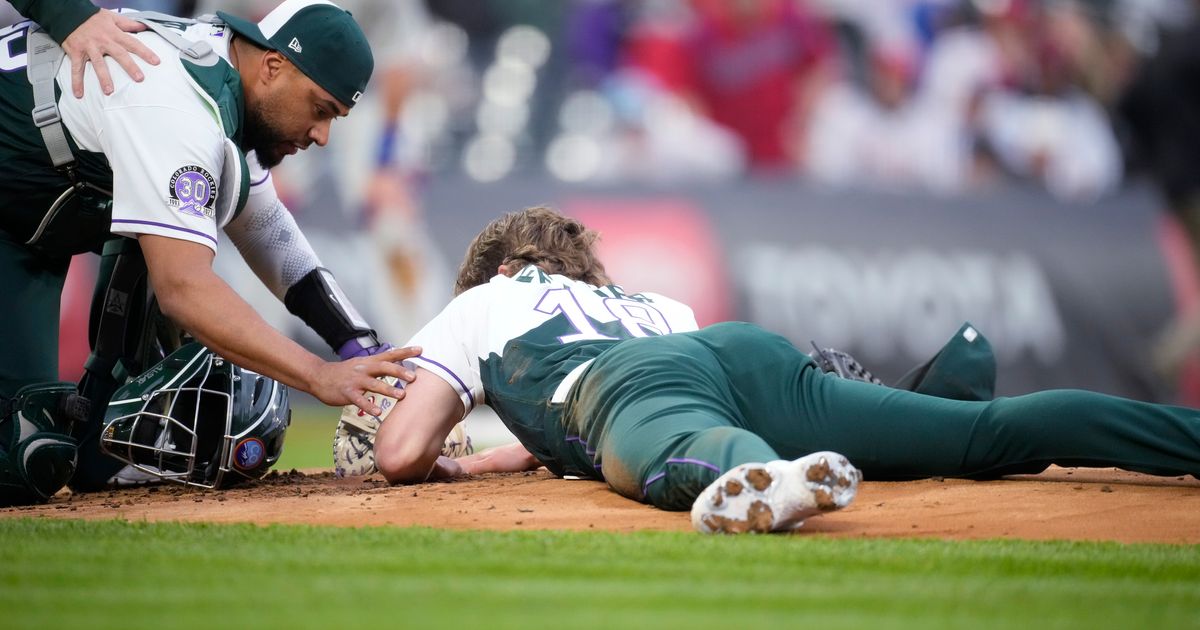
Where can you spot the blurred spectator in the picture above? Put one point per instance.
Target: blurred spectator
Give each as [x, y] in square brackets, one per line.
[1162, 109]
[1046, 126]
[626, 123]
[878, 135]
[593, 33]
[932, 95]
[996, 96]
[1066, 141]
[752, 66]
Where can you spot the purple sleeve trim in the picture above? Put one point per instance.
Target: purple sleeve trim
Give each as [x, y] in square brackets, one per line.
[164, 225]
[259, 182]
[646, 486]
[678, 460]
[447, 370]
[587, 449]
[685, 460]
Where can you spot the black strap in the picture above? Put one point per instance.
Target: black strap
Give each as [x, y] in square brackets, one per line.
[319, 302]
[74, 408]
[70, 409]
[116, 320]
[117, 317]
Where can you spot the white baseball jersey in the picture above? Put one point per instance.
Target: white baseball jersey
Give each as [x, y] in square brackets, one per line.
[164, 141]
[522, 341]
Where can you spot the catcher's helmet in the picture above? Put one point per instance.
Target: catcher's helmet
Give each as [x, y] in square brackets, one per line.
[197, 419]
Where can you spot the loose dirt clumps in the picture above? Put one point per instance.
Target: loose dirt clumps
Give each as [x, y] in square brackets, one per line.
[1062, 503]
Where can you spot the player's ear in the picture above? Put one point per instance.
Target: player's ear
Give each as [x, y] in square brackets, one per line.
[272, 65]
[503, 270]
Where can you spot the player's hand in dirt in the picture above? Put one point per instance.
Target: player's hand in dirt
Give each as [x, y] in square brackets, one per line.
[511, 457]
[446, 468]
[106, 34]
[347, 382]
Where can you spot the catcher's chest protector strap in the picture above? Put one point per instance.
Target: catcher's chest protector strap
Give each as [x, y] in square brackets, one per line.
[45, 57]
[118, 321]
[117, 317]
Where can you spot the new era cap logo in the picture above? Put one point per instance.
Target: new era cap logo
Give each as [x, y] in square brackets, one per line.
[295, 45]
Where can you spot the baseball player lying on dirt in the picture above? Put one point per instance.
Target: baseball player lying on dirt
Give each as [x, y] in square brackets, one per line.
[731, 421]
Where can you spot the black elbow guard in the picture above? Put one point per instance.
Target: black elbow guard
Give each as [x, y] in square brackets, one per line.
[319, 301]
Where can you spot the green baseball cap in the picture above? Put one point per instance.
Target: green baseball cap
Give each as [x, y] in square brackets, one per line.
[321, 38]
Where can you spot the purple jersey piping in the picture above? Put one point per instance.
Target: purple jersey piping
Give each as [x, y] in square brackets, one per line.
[461, 383]
[164, 225]
[587, 449]
[678, 460]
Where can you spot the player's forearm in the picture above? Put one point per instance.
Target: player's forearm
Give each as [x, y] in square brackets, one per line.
[508, 458]
[211, 311]
[409, 443]
[60, 18]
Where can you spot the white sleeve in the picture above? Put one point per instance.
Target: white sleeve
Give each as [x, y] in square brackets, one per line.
[166, 163]
[267, 236]
[452, 342]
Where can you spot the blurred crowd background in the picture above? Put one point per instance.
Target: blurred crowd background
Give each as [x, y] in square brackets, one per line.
[945, 96]
[940, 101]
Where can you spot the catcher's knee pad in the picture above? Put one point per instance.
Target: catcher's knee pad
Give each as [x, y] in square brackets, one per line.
[37, 457]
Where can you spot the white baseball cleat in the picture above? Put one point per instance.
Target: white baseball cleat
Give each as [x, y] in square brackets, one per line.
[775, 496]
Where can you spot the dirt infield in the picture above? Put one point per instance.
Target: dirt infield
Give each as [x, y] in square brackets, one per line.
[1076, 504]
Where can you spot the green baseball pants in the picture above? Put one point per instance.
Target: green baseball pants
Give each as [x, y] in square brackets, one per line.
[30, 289]
[677, 411]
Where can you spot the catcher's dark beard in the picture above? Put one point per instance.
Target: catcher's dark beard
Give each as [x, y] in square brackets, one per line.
[262, 136]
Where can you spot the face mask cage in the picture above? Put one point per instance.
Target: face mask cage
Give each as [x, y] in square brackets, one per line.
[181, 432]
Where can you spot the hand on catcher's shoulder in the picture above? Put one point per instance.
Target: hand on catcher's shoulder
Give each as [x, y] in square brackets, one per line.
[105, 34]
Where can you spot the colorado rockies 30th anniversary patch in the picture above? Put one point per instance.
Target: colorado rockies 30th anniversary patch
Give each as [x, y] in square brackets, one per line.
[193, 191]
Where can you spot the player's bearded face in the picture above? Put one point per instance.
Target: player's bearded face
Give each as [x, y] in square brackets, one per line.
[266, 133]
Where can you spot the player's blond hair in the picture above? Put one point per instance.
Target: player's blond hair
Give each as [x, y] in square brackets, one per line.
[533, 236]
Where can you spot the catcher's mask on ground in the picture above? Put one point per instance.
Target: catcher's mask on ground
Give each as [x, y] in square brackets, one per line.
[197, 419]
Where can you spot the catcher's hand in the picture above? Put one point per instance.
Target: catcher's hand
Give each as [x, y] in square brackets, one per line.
[354, 439]
[842, 364]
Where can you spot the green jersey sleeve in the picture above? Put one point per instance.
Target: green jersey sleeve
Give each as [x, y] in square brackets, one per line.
[60, 18]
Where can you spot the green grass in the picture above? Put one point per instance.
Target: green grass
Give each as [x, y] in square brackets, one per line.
[56, 574]
[309, 441]
[64, 574]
